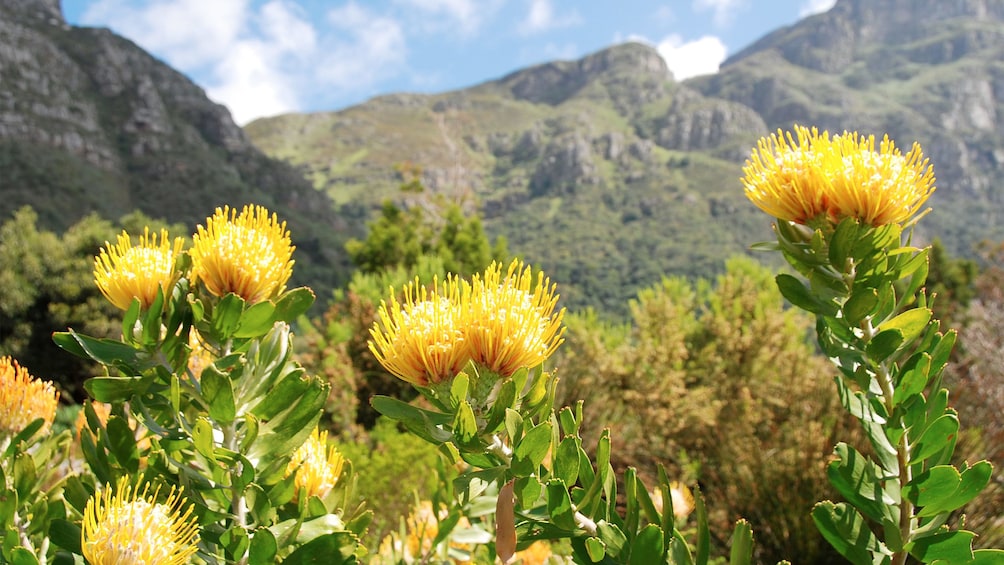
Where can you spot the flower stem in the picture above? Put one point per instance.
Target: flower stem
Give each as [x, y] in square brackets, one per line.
[904, 474]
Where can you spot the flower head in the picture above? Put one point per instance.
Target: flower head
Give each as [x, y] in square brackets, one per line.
[130, 527]
[123, 272]
[24, 399]
[316, 464]
[809, 176]
[683, 500]
[510, 322]
[421, 341]
[248, 254]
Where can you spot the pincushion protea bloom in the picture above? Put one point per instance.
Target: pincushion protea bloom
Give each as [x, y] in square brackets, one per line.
[316, 465]
[123, 272]
[249, 254]
[811, 176]
[510, 322]
[131, 527]
[421, 341]
[23, 399]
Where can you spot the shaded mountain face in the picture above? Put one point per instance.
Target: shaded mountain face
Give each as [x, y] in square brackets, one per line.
[89, 122]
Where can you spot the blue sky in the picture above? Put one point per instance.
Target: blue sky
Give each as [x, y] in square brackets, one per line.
[267, 57]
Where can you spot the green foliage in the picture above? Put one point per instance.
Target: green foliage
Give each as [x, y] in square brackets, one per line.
[400, 238]
[48, 286]
[392, 472]
[719, 383]
[873, 321]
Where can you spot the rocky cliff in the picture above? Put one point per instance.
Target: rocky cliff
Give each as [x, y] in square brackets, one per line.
[89, 122]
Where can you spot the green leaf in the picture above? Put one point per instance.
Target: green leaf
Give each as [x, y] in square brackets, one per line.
[988, 557]
[847, 532]
[612, 537]
[943, 489]
[21, 556]
[104, 351]
[256, 321]
[458, 390]
[513, 424]
[799, 296]
[940, 434]
[218, 391]
[566, 460]
[884, 344]
[910, 323]
[226, 316]
[465, 427]
[496, 413]
[263, 548]
[113, 389]
[913, 378]
[860, 305]
[858, 480]
[25, 476]
[595, 548]
[336, 548]
[65, 534]
[559, 506]
[703, 533]
[952, 547]
[741, 552]
[122, 444]
[842, 241]
[648, 547]
[293, 304]
[529, 453]
[527, 490]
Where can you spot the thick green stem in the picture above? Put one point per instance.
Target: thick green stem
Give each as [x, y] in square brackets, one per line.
[238, 504]
[904, 473]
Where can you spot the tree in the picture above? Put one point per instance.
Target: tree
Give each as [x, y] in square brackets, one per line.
[48, 284]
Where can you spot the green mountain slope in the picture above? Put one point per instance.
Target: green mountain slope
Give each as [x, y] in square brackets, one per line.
[604, 171]
[610, 174]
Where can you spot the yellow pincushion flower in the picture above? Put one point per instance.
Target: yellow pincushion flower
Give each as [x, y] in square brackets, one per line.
[23, 399]
[123, 272]
[879, 187]
[248, 254]
[130, 527]
[316, 464]
[421, 341]
[811, 176]
[508, 324]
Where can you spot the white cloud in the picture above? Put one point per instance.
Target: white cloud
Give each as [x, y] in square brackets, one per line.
[810, 7]
[699, 57]
[465, 12]
[724, 10]
[265, 60]
[189, 33]
[542, 17]
[368, 47]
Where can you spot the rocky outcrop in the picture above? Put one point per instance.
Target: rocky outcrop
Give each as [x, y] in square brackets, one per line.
[89, 122]
[554, 83]
[696, 123]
